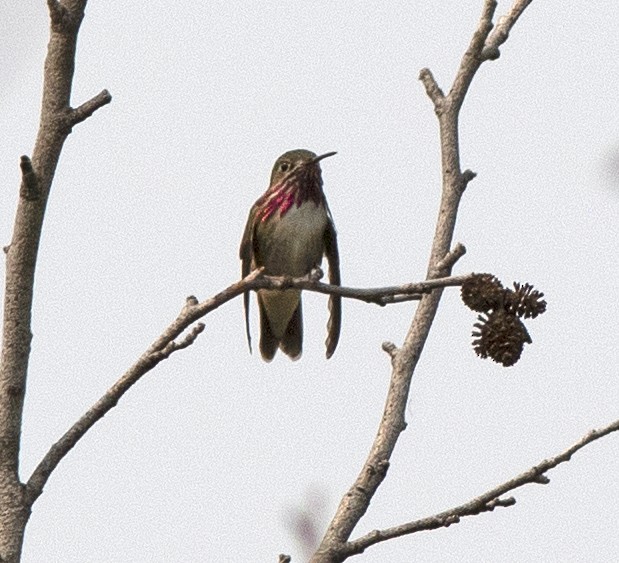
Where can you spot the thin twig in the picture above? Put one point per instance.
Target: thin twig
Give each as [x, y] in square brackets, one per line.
[391, 349]
[472, 59]
[501, 30]
[166, 344]
[89, 107]
[378, 295]
[433, 90]
[485, 502]
[450, 259]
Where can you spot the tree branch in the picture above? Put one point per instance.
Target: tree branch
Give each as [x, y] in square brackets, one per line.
[166, 344]
[89, 107]
[433, 90]
[485, 502]
[501, 31]
[159, 350]
[21, 260]
[379, 295]
[404, 360]
[57, 11]
[450, 259]
[472, 59]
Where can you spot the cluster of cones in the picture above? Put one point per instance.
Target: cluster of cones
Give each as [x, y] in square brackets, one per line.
[500, 333]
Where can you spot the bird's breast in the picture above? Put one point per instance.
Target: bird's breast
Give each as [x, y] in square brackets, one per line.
[293, 243]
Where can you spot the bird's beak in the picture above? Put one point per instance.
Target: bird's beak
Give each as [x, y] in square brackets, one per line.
[326, 155]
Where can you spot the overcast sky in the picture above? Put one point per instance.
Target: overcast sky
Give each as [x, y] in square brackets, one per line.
[207, 457]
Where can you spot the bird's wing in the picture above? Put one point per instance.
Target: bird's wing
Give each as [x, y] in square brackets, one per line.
[246, 253]
[335, 301]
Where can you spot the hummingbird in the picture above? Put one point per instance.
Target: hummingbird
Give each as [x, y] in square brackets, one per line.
[288, 231]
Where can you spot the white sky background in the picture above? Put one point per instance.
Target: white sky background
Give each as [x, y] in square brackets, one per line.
[204, 459]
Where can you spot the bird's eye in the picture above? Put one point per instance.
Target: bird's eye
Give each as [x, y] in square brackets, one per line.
[284, 166]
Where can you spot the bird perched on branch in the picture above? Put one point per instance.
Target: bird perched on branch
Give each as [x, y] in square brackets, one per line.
[288, 231]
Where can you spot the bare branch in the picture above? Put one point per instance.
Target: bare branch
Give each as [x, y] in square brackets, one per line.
[189, 339]
[57, 11]
[144, 364]
[485, 502]
[21, 260]
[501, 31]
[441, 520]
[356, 501]
[22, 252]
[467, 176]
[379, 295]
[84, 111]
[66, 15]
[432, 88]
[391, 349]
[472, 59]
[166, 344]
[29, 186]
[450, 259]
[159, 350]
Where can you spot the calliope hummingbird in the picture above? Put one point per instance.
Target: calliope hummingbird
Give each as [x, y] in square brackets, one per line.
[288, 231]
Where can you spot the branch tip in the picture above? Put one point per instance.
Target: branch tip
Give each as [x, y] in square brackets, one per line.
[449, 260]
[56, 11]
[506, 502]
[191, 337]
[25, 164]
[29, 188]
[501, 30]
[467, 176]
[390, 348]
[432, 88]
[389, 299]
[89, 107]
